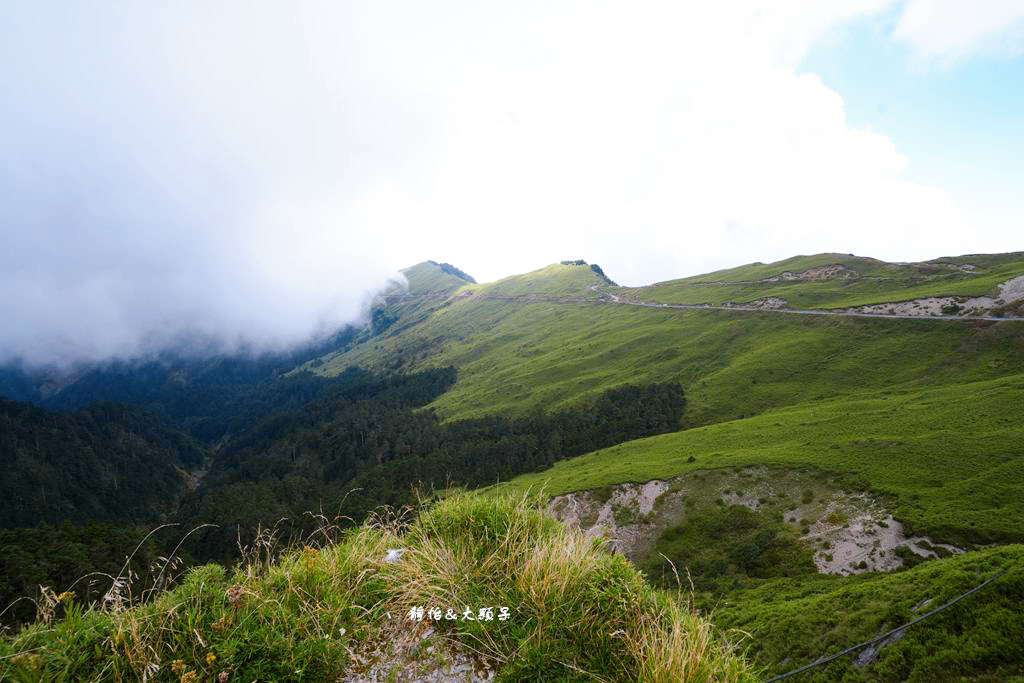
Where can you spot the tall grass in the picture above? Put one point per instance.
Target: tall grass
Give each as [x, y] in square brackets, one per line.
[576, 612]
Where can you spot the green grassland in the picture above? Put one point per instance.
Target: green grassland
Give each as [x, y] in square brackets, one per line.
[925, 414]
[863, 266]
[751, 572]
[952, 457]
[428, 289]
[796, 264]
[428, 277]
[553, 280]
[875, 282]
[514, 356]
[795, 621]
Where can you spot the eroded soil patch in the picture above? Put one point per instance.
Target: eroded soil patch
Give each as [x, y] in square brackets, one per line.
[1006, 302]
[846, 532]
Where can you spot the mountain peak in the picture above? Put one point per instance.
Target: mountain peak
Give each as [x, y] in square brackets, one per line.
[431, 276]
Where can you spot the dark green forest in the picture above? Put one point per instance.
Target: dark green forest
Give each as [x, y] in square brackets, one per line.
[110, 462]
[343, 457]
[221, 460]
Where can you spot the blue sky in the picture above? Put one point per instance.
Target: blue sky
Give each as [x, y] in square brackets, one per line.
[959, 123]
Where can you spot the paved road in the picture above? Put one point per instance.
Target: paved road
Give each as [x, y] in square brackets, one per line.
[611, 299]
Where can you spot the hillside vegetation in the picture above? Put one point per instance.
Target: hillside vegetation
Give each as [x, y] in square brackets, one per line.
[554, 280]
[795, 621]
[795, 429]
[951, 457]
[574, 612]
[922, 416]
[344, 445]
[367, 444]
[516, 355]
[430, 276]
[818, 283]
[110, 462]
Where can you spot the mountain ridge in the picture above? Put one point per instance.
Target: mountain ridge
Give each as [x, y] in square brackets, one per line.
[806, 437]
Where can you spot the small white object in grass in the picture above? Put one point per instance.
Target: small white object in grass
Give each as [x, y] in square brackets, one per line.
[393, 554]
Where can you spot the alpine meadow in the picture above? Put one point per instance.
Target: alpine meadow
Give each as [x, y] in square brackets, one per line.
[381, 341]
[673, 482]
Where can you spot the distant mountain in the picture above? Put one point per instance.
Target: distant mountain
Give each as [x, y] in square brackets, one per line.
[556, 279]
[18, 385]
[208, 396]
[172, 382]
[839, 281]
[556, 335]
[764, 430]
[452, 270]
[431, 276]
[594, 267]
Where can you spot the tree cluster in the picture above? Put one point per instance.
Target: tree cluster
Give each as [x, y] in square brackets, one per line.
[350, 454]
[275, 450]
[110, 462]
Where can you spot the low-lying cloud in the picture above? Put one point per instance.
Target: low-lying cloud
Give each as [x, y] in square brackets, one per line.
[250, 172]
[179, 173]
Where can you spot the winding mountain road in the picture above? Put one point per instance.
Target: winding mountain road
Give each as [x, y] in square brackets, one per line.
[612, 299]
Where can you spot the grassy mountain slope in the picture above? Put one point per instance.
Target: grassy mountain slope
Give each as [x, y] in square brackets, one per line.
[795, 264]
[429, 276]
[924, 410]
[924, 414]
[952, 457]
[858, 282]
[515, 355]
[554, 280]
[795, 621]
[426, 289]
[574, 612]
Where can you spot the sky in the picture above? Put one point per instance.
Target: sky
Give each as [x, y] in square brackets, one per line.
[251, 172]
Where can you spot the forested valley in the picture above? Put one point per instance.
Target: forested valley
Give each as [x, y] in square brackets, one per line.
[205, 467]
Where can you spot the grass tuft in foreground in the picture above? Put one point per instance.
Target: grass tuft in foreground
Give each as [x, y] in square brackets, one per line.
[576, 612]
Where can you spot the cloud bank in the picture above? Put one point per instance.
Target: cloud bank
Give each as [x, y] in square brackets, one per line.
[180, 173]
[951, 31]
[251, 171]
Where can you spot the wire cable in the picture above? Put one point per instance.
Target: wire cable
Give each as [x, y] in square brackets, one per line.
[826, 660]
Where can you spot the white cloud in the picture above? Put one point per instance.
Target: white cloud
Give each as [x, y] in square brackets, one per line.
[951, 30]
[250, 173]
[661, 143]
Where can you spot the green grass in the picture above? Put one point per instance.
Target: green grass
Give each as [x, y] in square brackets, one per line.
[952, 457]
[514, 356]
[576, 611]
[428, 277]
[553, 280]
[795, 264]
[717, 543]
[795, 621]
[923, 413]
[876, 282]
